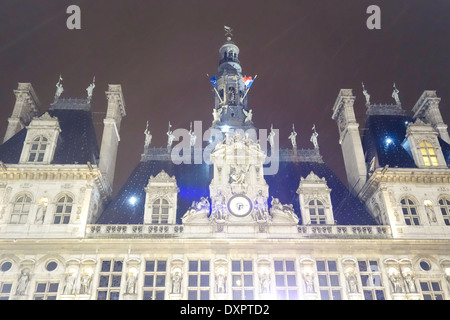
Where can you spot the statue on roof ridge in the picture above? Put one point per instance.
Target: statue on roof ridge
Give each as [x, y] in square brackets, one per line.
[366, 94]
[90, 89]
[293, 137]
[59, 88]
[314, 137]
[395, 95]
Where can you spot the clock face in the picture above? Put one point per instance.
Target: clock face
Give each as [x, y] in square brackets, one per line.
[240, 206]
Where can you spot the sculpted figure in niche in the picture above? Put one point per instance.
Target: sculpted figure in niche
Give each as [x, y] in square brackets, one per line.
[176, 282]
[219, 206]
[23, 281]
[261, 207]
[85, 284]
[70, 283]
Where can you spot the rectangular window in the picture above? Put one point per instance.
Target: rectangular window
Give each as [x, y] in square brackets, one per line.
[242, 279]
[198, 280]
[431, 290]
[285, 280]
[328, 276]
[46, 290]
[155, 279]
[5, 290]
[370, 274]
[110, 278]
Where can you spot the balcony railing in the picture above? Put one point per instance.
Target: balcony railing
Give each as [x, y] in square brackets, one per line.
[175, 231]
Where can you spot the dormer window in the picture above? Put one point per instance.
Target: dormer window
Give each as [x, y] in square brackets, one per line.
[41, 140]
[316, 212]
[63, 210]
[428, 154]
[160, 211]
[37, 149]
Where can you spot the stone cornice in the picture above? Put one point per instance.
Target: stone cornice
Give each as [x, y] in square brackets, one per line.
[404, 176]
[55, 173]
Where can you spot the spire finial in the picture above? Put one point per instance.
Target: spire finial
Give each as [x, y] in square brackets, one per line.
[228, 32]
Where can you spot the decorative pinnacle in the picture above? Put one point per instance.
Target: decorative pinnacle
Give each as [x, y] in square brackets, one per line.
[228, 32]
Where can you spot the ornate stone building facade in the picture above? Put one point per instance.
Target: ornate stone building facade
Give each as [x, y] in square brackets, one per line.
[224, 226]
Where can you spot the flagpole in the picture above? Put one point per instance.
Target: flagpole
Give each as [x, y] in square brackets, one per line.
[248, 89]
[215, 90]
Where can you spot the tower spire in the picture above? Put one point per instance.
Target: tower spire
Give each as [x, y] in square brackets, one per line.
[230, 88]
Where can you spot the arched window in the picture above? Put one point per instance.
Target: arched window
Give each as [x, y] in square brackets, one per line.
[428, 154]
[316, 212]
[21, 210]
[410, 213]
[63, 210]
[37, 149]
[444, 204]
[160, 213]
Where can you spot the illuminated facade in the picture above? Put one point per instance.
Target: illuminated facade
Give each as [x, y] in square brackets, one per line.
[239, 218]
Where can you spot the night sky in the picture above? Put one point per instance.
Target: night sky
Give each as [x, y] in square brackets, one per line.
[303, 52]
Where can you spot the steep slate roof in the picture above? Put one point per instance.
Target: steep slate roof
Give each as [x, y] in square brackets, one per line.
[77, 142]
[193, 182]
[397, 153]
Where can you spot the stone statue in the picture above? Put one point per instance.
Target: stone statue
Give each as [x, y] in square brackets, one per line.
[366, 94]
[309, 282]
[261, 210]
[23, 281]
[248, 115]
[430, 213]
[131, 283]
[396, 282]
[265, 283]
[200, 206]
[176, 282]
[293, 137]
[193, 136]
[314, 138]
[238, 175]
[70, 283]
[410, 285]
[170, 136]
[352, 282]
[220, 283]
[395, 95]
[85, 284]
[219, 207]
[59, 88]
[40, 215]
[217, 114]
[148, 136]
[90, 89]
[271, 136]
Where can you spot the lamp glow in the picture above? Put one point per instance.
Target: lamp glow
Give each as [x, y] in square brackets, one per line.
[132, 200]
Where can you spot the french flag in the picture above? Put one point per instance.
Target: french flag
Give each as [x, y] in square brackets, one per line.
[248, 81]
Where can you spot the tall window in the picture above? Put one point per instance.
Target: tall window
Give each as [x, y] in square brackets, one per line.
[371, 280]
[431, 290]
[160, 213]
[444, 204]
[37, 150]
[21, 209]
[410, 213]
[5, 290]
[109, 280]
[63, 210]
[428, 154]
[46, 290]
[285, 280]
[155, 279]
[198, 280]
[242, 279]
[317, 212]
[329, 284]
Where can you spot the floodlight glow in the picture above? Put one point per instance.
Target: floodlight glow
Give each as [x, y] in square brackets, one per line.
[132, 200]
[388, 141]
[225, 128]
